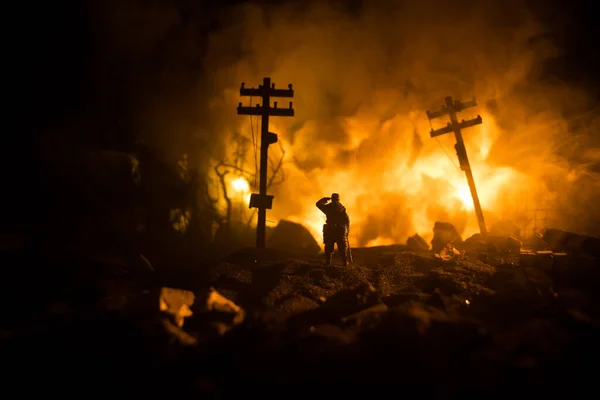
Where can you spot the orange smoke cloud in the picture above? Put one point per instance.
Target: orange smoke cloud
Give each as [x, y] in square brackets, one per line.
[363, 82]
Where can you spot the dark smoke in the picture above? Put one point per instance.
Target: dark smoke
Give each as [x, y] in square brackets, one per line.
[388, 61]
[106, 73]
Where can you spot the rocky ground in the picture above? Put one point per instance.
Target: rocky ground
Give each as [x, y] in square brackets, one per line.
[474, 326]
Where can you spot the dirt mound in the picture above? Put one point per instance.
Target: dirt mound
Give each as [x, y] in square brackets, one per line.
[268, 317]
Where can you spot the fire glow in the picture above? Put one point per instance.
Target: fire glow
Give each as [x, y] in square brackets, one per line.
[388, 205]
[240, 185]
[362, 88]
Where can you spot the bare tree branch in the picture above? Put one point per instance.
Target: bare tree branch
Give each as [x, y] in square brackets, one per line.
[221, 175]
[246, 174]
[276, 169]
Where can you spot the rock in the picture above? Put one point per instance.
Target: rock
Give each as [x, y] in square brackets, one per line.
[573, 243]
[219, 311]
[415, 322]
[209, 314]
[449, 252]
[584, 245]
[178, 335]
[333, 333]
[176, 303]
[346, 302]
[401, 298]
[293, 237]
[417, 243]
[444, 233]
[338, 306]
[536, 243]
[365, 316]
[492, 244]
[317, 274]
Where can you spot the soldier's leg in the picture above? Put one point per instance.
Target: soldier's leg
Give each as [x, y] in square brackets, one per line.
[328, 242]
[341, 244]
[328, 252]
[348, 251]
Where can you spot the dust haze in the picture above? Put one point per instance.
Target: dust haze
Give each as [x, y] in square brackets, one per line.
[365, 76]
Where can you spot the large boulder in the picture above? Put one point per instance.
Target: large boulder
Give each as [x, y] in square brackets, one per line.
[417, 243]
[444, 233]
[293, 237]
[492, 244]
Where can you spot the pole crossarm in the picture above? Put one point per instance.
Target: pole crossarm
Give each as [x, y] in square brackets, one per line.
[270, 91]
[450, 107]
[259, 110]
[461, 125]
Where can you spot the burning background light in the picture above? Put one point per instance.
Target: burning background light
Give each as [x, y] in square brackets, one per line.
[364, 80]
[364, 74]
[240, 185]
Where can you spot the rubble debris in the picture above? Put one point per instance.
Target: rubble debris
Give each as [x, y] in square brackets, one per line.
[178, 335]
[176, 303]
[417, 243]
[573, 243]
[400, 276]
[352, 300]
[536, 243]
[450, 252]
[542, 260]
[492, 244]
[341, 304]
[333, 334]
[317, 274]
[211, 309]
[486, 321]
[404, 297]
[359, 318]
[293, 237]
[444, 233]
[218, 312]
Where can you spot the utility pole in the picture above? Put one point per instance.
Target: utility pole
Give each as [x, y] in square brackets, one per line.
[265, 91]
[451, 109]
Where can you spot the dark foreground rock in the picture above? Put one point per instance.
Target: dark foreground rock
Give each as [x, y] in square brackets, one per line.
[448, 329]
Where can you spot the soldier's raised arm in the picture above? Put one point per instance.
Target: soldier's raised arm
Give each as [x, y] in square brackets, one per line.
[322, 202]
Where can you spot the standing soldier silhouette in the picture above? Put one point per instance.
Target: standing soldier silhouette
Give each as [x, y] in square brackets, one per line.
[336, 228]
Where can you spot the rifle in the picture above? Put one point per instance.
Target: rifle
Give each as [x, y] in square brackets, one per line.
[348, 251]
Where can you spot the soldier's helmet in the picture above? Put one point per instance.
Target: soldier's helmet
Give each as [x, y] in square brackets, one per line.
[335, 197]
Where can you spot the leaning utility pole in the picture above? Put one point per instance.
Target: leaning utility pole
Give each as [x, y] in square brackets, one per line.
[267, 90]
[450, 109]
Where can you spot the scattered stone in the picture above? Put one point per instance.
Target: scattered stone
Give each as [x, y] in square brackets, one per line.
[536, 243]
[417, 243]
[401, 298]
[176, 303]
[219, 312]
[444, 233]
[338, 306]
[543, 260]
[293, 237]
[333, 333]
[449, 252]
[317, 274]
[572, 243]
[364, 316]
[492, 244]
